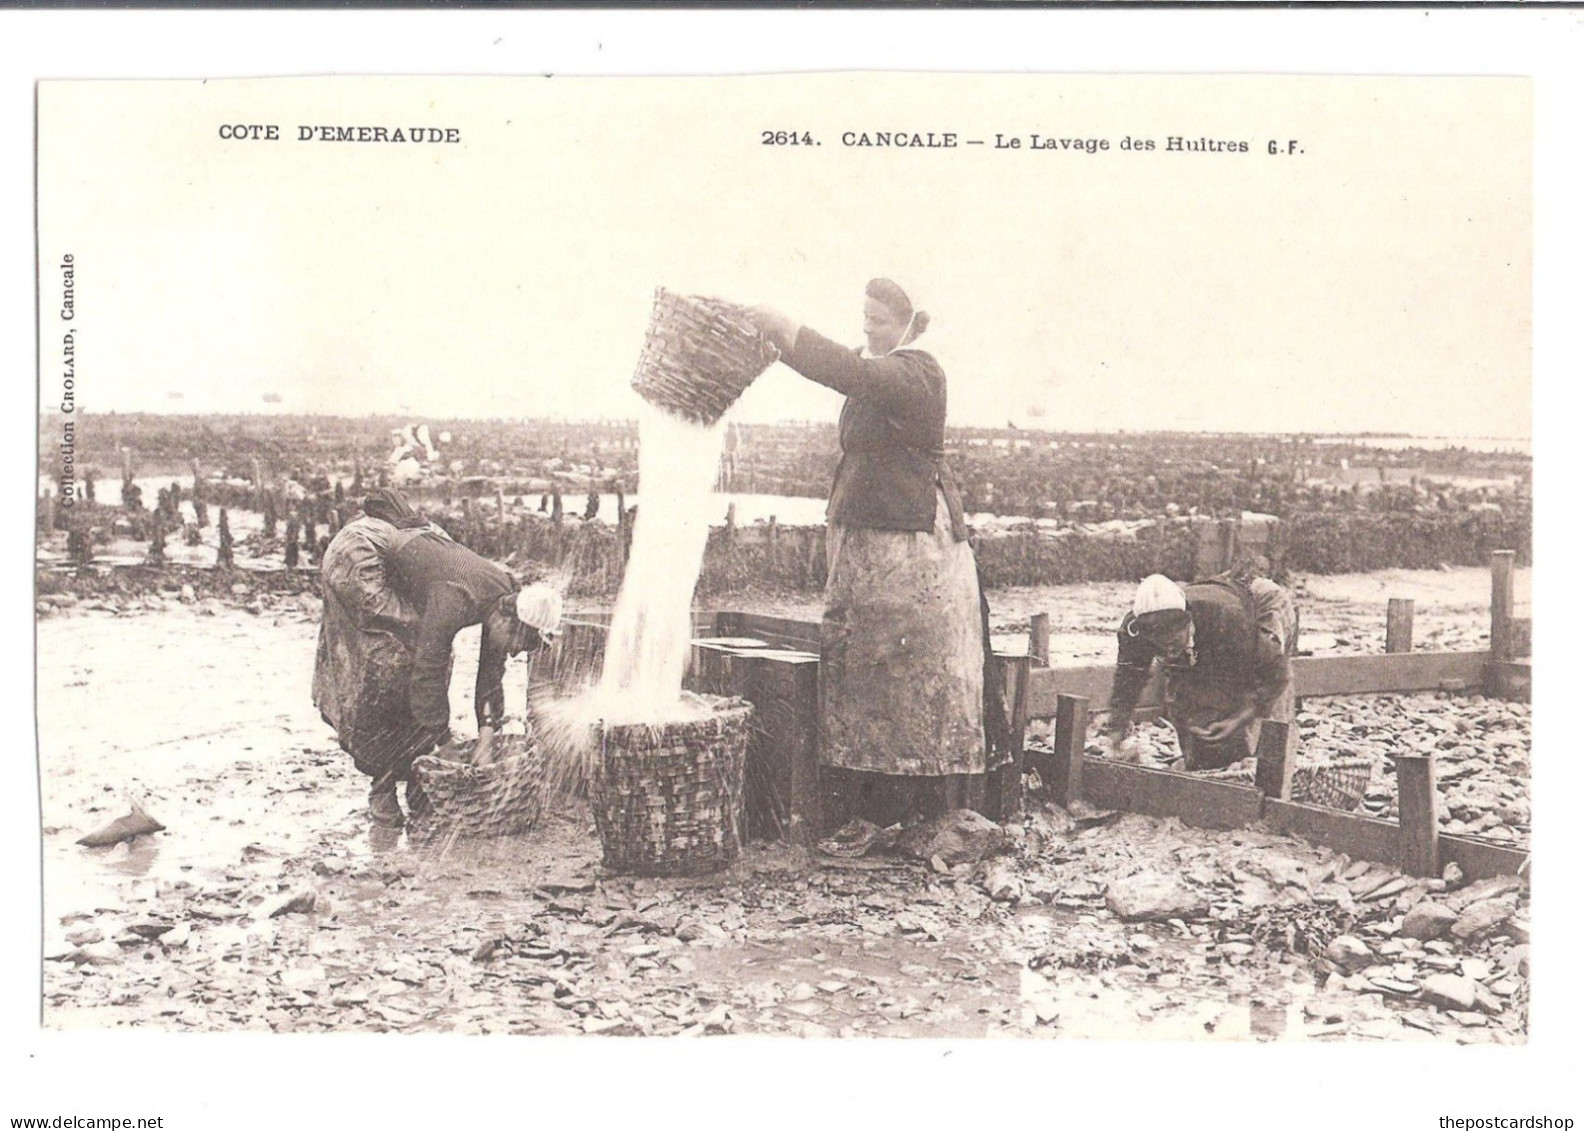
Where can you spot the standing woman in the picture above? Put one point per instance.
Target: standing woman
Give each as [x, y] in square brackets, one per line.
[901, 644]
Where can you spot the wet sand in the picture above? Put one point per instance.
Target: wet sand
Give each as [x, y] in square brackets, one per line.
[203, 711]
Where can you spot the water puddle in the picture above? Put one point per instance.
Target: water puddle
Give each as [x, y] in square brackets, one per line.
[870, 987]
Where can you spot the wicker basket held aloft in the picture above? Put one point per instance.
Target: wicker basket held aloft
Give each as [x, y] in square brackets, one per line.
[699, 356]
[668, 798]
[503, 798]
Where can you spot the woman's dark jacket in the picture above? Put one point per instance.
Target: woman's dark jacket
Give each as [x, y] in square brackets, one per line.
[453, 588]
[893, 433]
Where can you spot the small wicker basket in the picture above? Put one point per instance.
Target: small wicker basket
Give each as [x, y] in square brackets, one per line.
[668, 799]
[1339, 784]
[699, 355]
[503, 798]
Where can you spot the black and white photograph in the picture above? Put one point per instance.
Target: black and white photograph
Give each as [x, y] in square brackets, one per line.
[860, 559]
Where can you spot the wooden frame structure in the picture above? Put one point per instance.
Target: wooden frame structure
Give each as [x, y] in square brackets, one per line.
[1413, 843]
[773, 662]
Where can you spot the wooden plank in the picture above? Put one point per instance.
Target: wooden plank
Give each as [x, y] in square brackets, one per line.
[781, 795]
[767, 776]
[1382, 674]
[1312, 676]
[1416, 809]
[1399, 624]
[802, 743]
[757, 624]
[1007, 782]
[1162, 793]
[1512, 680]
[1501, 604]
[784, 764]
[1479, 859]
[1091, 681]
[1072, 727]
[711, 670]
[1039, 639]
[1366, 838]
[1275, 759]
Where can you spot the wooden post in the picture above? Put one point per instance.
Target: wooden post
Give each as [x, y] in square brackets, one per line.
[1039, 639]
[126, 465]
[1416, 815]
[712, 670]
[49, 512]
[1501, 605]
[258, 474]
[1017, 733]
[1273, 770]
[1072, 730]
[500, 503]
[1399, 624]
[803, 745]
[1229, 546]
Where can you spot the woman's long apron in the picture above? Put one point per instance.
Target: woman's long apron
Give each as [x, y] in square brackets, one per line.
[902, 652]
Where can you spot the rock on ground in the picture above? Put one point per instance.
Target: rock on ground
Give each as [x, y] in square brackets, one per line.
[1428, 920]
[1150, 895]
[959, 837]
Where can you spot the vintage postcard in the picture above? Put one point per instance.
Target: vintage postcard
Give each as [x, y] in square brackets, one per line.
[843, 555]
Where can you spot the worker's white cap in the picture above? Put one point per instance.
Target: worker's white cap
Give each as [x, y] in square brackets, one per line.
[1158, 593]
[539, 606]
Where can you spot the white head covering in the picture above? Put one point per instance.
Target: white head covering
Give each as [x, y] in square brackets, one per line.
[908, 335]
[1157, 593]
[539, 606]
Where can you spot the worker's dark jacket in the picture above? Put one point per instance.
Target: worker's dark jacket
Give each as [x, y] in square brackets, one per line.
[893, 433]
[1240, 645]
[364, 663]
[454, 588]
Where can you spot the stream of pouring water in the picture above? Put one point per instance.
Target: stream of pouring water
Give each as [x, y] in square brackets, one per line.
[651, 632]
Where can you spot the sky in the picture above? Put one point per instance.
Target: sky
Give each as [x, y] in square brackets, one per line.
[1376, 279]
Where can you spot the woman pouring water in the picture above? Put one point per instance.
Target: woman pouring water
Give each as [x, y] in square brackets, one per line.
[901, 643]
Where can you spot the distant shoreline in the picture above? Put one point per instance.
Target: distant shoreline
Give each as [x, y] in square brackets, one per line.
[399, 418]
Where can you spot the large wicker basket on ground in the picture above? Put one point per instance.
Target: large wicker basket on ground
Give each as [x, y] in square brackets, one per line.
[503, 798]
[699, 356]
[668, 799]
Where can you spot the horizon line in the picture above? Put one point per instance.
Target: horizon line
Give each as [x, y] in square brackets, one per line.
[609, 420]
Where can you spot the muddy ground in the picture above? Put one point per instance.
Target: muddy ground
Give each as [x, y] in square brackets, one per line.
[1084, 924]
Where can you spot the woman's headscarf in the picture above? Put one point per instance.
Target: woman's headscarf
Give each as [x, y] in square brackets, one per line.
[391, 505]
[890, 295]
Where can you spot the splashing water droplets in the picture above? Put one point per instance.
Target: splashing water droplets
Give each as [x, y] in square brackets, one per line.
[651, 631]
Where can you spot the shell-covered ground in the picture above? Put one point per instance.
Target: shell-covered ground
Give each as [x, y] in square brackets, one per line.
[268, 902]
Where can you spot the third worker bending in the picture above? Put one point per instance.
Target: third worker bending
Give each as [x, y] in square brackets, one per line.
[1224, 645]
